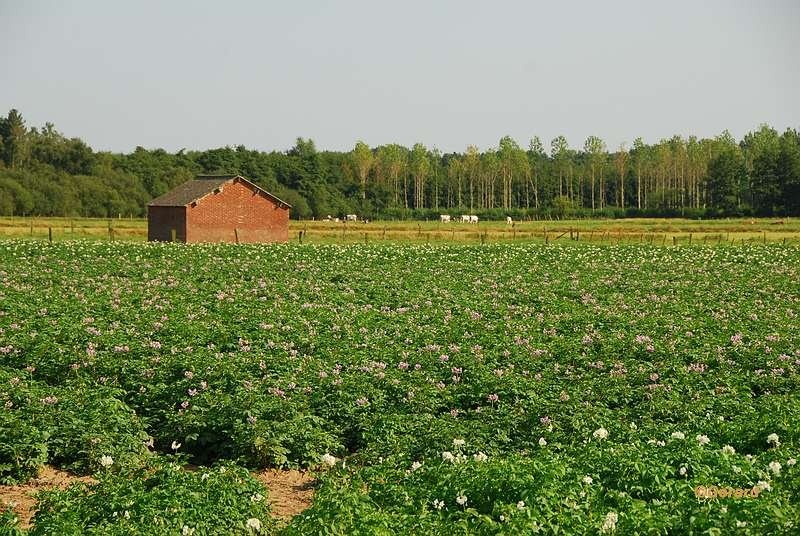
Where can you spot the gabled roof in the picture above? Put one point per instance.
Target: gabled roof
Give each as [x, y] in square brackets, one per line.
[201, 186]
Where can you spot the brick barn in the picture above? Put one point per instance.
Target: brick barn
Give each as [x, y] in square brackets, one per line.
[218, 208]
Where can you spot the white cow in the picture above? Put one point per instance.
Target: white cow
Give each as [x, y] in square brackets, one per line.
[444, 218]
[351, 217]
[473, 218]
[509, 221]
[465, 218]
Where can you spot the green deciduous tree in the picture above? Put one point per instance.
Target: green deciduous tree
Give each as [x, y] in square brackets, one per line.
[726, 173]
[595, 148]
[420, 169]
[362, 159]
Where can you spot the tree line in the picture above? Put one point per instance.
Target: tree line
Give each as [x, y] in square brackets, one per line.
[44, 173]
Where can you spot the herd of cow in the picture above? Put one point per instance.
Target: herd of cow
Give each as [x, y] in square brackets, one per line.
[443, 218]
[348, 217]
[467, 218]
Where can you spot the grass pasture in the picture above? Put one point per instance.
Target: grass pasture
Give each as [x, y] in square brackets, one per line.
[628, 231]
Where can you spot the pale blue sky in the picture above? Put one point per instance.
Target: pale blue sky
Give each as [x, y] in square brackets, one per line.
[200, 74]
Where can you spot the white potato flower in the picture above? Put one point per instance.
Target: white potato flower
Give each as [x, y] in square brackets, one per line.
[610, 522]
[254, 524]
[775, 467]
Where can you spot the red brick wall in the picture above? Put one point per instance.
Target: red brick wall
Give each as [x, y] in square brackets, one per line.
[162, 220]
[216, 217]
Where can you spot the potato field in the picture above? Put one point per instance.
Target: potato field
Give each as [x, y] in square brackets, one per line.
[431, 389]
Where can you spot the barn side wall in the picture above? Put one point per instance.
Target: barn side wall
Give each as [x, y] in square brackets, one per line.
[162, 220]
[218, 217]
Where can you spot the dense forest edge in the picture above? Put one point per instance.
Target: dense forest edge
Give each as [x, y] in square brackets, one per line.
[44, 173]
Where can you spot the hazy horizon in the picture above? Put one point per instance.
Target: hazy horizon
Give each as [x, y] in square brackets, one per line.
[197, 75]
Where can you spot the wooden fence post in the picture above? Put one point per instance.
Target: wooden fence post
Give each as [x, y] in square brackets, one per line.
[236, 234]
[173, 235]
[50, 234]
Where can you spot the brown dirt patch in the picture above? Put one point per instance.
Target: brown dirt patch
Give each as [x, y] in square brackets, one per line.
[290, 492]
[23, 494]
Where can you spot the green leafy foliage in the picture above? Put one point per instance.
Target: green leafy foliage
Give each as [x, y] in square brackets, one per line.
[438, 389]
[159, 499]
[67, 425]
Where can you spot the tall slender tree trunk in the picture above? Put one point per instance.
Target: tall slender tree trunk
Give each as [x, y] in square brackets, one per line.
[639, 189]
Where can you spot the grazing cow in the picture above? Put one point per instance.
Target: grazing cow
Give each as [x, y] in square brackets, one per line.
[336, 220]
[444, 218]
[465, 218]
[509, 221]
[473, 218]
[351, 217]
